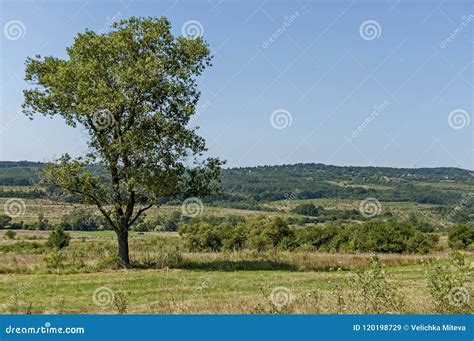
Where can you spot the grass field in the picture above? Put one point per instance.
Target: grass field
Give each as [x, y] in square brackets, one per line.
[85, 282]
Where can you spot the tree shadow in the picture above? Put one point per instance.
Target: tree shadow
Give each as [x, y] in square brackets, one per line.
[239, 265]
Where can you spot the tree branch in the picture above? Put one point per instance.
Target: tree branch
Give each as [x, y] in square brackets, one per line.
[140, 211]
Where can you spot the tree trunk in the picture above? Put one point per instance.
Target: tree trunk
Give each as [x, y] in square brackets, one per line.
[124, 260]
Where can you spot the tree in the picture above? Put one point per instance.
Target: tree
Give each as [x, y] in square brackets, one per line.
[58, 239]
[134, 91]
[306, 209]
[460, 236]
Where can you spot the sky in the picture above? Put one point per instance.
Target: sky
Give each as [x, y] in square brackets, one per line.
[361, 83]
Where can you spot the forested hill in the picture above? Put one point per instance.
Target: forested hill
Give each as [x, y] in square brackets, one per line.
[263, 183]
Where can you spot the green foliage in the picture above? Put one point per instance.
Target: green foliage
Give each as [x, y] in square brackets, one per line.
[5, 220]
[371, 236]
[263, 234]
[22, 247]
[80, 219]
[306, 209]
[234, 234]
[270, 183]
[460, 236]
[133, 90]
[372, 292]
[58, 239]
[54, 259]
[10, 234]
[448, 285]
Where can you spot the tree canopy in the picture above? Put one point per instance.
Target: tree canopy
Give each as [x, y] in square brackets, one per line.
[133, 90]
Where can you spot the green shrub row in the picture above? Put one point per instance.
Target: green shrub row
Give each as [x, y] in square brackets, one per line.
[265, 234]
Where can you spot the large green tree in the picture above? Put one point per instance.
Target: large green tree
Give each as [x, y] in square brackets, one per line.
[133, 90]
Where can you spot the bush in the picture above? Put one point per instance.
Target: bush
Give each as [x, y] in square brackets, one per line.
[373, 293]
[54, 259]
[460, 237]
[58, 239]
[260, 234]
[371, 236]
[264, 234]
[306, 209]
[5, 220]
[448, 285]
[10, 234]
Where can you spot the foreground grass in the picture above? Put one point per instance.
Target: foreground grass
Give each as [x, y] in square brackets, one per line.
[239, 282]
[188, 291]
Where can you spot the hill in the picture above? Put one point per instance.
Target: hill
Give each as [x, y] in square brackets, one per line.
[249, 185]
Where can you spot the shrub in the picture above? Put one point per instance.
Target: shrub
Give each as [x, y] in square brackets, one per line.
[54, 259]
[5, 220]
[306, 209]
[58, 239]
[277, 230]
[448, 285]
[373, 293]
[120, 302]
[264, 234]
[460, 237]
[10, 234]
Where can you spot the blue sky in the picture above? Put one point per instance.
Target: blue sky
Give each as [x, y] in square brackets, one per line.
[398, 93]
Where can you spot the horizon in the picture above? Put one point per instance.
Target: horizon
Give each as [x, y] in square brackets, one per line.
[339, 83]
[300, 163]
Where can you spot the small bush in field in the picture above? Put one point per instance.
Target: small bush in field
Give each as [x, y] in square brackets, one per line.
[120, 302]
[54, 259]
[10, 234]
[58, 239]
[448, 285]
[373, 293]
[5, 220]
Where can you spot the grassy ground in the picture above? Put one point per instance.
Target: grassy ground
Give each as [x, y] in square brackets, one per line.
[190, 291]
[86, 282]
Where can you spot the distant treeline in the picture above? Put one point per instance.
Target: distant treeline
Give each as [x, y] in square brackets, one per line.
[247, 187]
